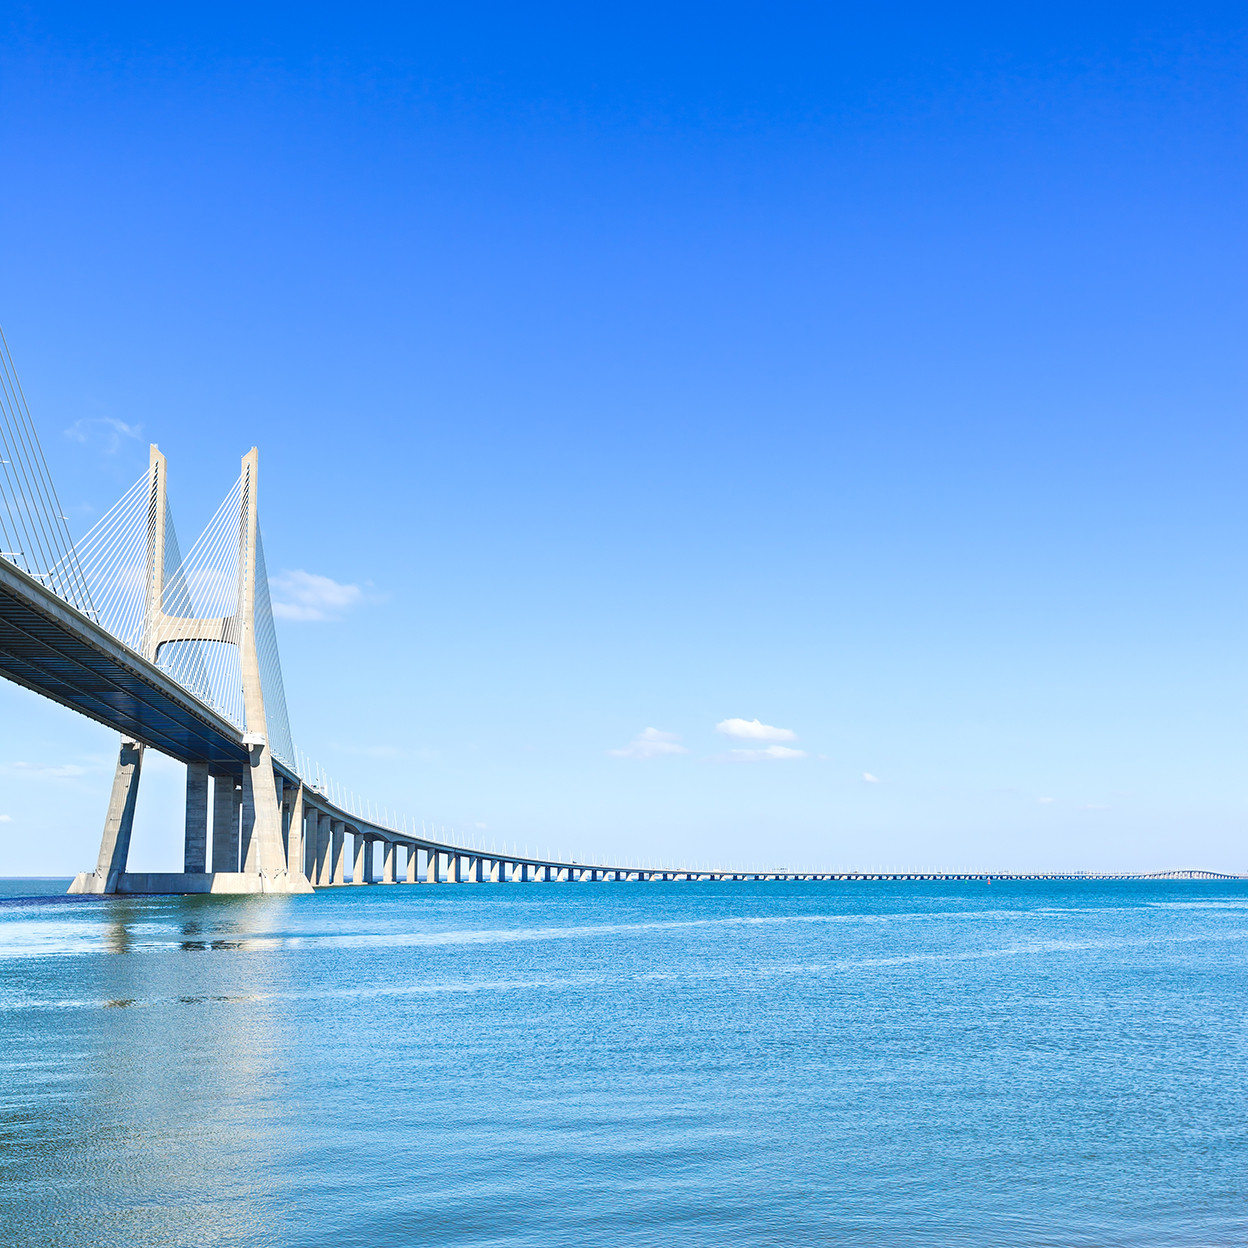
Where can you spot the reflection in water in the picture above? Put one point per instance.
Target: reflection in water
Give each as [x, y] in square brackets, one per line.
[122, 912]
[159, 1140]
[190, 930]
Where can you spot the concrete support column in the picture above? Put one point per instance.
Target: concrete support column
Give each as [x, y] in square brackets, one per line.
[195, 838]
[248, 844]
[387, 863]
[285, 795]
[476, 870]
[498, 871]
[224, 824]
[338, 854]
[260, 837]
[324, 843]
[369, 873]
[433, 866]
[309, 842]
[454, 869]
[310, 817]
[294, 837]
[357, 859]
[119, 822]
[521, 875]
[412, 875]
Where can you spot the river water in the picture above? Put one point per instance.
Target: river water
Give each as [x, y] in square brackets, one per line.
[627, 1064]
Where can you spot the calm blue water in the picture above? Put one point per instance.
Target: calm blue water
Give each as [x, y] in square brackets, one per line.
[628, 1064]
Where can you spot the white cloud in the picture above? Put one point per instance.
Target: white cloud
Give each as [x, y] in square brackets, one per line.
[650, 743]
[1045, 801]
[103, 431]
[869, 778]
[6, 818]
[773, 753]
[752, 730]
[301, 595]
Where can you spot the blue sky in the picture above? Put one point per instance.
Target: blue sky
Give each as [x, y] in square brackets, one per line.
[875, 374]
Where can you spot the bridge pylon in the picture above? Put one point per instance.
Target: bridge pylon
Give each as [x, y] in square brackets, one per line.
[249, 848]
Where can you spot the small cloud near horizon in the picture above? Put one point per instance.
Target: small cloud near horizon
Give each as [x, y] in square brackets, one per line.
[650, 743]
[306, 596]
[772, 754]
[752, 730]
[6, 818]
[869, 778]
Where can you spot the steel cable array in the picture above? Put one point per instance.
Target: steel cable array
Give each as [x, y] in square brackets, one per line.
[34, 532]
[271, 683]
[206, 587]
[202, 587]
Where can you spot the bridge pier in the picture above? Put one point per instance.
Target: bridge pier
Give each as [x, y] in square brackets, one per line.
[195, 836]
[310, 835]
[454, 869]
[292, 825]
[224, 824]
[324, 836]
[338, 844]
[432, 867]
[387, 863]
[118, 824]
[357, 859]
[248, 846]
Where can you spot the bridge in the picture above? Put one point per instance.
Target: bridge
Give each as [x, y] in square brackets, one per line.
[179, 654]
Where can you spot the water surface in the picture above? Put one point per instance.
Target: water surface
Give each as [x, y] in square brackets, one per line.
[888, 1063]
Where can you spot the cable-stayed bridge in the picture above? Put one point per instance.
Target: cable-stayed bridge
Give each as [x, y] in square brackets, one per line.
[178, 653]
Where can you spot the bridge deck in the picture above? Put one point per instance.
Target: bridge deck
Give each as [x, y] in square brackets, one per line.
[50, 647]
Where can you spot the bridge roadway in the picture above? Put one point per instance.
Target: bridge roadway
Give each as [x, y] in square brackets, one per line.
[325, 861]
[50, 647]
[53, 648]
